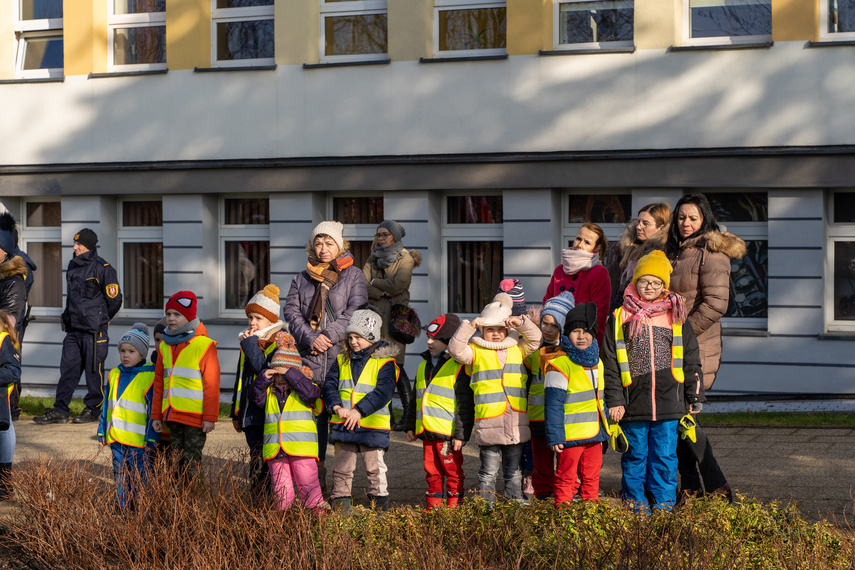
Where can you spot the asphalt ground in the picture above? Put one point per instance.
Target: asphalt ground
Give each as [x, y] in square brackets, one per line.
[812, 467]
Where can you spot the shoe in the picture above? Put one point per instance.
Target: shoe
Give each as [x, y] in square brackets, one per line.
[52, 416]
[341, 504]
[86, 416]
[724, 491]
[527, 487]
[379, 503]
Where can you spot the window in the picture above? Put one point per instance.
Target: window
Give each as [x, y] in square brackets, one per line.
[38, 31]
[837, 19]
[711, 22]
[461, 27]
[137, 35]
[353, 30]
[841, 259]
[245, 250]
[360, 216]
[609, 211]
[242, 33]
[472, 237]
[141, 262]
[591, 24]
[42, 240]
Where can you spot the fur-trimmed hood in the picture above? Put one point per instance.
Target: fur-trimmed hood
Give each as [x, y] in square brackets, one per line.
[385, 349]
[13, 266]
[632, 251]
[727, 243]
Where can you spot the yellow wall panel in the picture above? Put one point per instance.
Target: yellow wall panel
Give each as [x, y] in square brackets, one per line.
[297, 31]
[7, 48]
[658, 23]
[84, 36]
[795, 20]
[410, 26]
[525, 30]
[188, 34]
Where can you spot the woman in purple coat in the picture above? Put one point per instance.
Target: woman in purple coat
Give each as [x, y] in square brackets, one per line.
[318, 307]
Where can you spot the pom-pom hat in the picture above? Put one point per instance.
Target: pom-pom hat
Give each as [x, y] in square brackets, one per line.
[656, 264]
[184, 302]
[138, 337]
[265, 303]
[496, 313]
[514, 289]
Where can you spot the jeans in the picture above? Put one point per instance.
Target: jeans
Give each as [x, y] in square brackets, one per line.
[7, 444]
[509, 457]
[131, 467]
[650, 464]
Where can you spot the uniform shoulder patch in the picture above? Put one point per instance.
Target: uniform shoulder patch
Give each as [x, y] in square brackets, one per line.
[112, 290]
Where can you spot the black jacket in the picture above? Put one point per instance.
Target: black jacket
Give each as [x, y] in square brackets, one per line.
[94, 296]
[254, 362]
[672, 399]
[13, 290]
[430, 372]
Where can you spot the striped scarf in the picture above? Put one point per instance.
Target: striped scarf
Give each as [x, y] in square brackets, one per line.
[326, 275]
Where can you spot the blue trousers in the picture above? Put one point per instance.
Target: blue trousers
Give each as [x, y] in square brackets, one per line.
[131, 467]
[650, 464]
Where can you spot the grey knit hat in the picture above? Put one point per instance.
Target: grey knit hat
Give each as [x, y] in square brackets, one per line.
[366, 323]
[397, 230]
[138, 337]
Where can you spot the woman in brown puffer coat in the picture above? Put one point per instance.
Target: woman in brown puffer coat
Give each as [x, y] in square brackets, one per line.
[700, 254]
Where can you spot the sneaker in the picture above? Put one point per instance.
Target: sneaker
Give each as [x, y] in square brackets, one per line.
[85, 417]
[52, 416]
[527, 487]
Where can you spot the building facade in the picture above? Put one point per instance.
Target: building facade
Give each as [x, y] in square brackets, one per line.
[203, 139]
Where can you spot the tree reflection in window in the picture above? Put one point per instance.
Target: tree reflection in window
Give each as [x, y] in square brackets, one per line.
[717, 18]
[588, 22]
[355, 34]
[472, 29]
[252, 39]
[40, 9]
[841, 16]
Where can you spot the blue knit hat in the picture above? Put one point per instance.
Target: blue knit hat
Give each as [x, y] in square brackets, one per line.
[558, 307]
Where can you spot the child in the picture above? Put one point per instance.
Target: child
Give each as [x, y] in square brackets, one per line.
[551, 318]
[157, 335]
[433, 416]
[494, 403]
[357, 390]
[257, 343]
[576, 423]
[186, 382]
[653, 374]
[126, 416]
[10, 375]
[290, 401]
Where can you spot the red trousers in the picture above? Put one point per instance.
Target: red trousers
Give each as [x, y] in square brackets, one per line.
[584, 461]
[439, 466]
[543, 476]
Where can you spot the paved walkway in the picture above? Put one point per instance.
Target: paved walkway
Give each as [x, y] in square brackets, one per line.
[813, 467]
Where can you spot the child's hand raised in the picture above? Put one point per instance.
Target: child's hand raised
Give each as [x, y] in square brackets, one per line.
[514, 322]
[477, 322]
[269, 373]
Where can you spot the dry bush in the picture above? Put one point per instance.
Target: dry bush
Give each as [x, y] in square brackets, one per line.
[68, 519]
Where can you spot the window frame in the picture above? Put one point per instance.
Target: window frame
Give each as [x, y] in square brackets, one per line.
[835, 232]
[247, 14]
[30, 29]
[824, 34]
[351, 8]
[136, 234]
[122, 21]
[688, 40]
[556, 32]
[569, 229]
[42, 234]
[235, 232]
[450, 5]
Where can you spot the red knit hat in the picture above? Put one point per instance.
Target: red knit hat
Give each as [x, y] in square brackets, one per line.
[184, 302]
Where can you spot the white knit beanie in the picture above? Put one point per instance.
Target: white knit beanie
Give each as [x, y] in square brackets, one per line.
[496, 313]
[330, 228]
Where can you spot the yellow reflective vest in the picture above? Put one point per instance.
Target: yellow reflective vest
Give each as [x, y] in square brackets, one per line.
[351, 393]
[583, 404]
[291, 429]
[11, 387]
[182, 380]
[496, 387]
[267, 352]
[127, 413]
[536, 402]
[623, 359]
[436, 402]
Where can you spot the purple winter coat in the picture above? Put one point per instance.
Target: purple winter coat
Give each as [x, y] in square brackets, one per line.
[347, 294]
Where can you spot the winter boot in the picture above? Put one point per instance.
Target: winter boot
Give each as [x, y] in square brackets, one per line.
[341, 504]
[405, 393]
[434, 500]
[5, 483]
[454, 500]
[378, 503]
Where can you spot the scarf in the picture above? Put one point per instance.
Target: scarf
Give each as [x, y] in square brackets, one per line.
[326, 275]
[383, 257]
[642, 311]
[265, 336]
[588, 358]
[173, 337]
[576, 260]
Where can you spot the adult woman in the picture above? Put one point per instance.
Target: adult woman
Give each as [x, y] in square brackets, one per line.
[648, 232]
[581, 272]
[700, 253]
[318, 307]
[388, 272]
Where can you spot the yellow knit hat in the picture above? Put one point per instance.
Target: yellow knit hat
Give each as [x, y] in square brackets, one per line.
[654, 263]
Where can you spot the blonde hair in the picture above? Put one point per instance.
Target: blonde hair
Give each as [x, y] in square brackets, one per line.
[6, 326]
[602, 244]
[310, 246]
[660, 211]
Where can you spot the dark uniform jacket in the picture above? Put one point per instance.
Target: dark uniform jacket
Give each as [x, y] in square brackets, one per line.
[93, 293]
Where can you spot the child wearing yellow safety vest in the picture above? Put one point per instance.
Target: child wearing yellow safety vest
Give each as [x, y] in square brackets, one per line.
[357, 391]
[187, 382]
[126, 424]
[291, 401]
[653, 377]
[10, 375]
[576, 422]
[433, 415]
[493, 405]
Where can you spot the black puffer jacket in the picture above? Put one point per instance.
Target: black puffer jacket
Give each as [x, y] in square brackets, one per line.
[93, 293]
[13, 291]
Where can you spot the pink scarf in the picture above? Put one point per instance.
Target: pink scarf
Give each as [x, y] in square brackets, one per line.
[576, 260]
[642, 311]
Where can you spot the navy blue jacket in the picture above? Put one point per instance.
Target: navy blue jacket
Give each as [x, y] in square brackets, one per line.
[126, 376]
[254, 362]
[373, 401]
[10, 363]
[93, 293]
[554, 407]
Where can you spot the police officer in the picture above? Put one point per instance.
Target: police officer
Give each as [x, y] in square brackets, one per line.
[93, 299]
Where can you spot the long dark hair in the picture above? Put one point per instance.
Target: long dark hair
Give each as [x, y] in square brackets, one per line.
[708, 224]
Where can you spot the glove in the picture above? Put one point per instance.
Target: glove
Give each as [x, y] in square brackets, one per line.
[687, 428]
[617, 439]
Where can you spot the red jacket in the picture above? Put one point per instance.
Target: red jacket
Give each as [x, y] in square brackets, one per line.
[589, 286]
